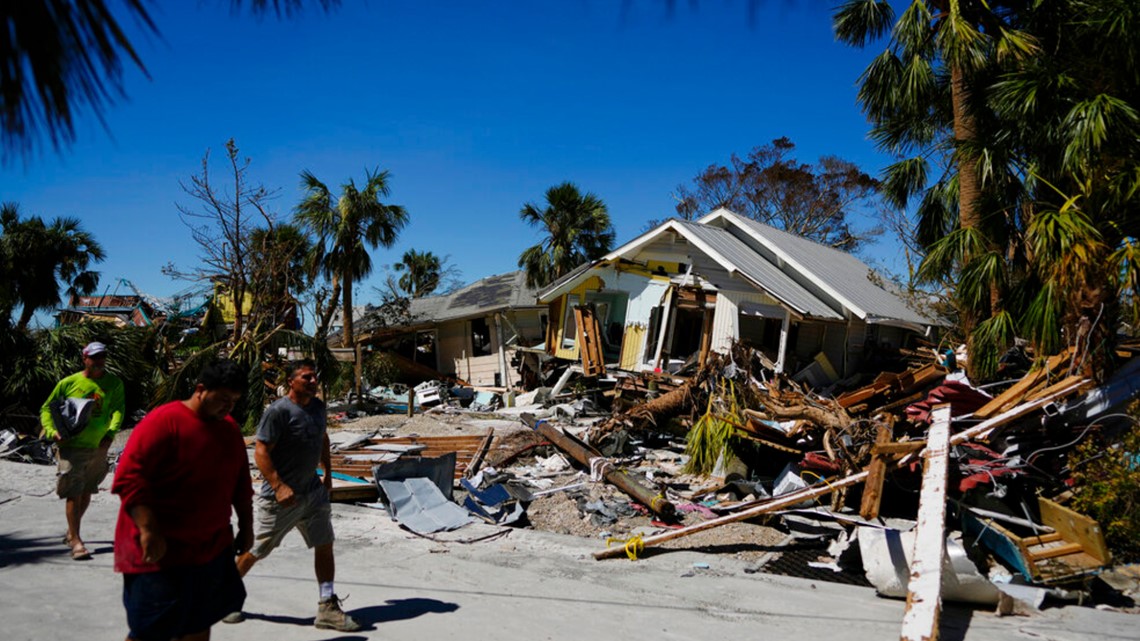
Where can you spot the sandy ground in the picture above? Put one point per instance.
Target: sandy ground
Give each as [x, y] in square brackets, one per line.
[481, 582]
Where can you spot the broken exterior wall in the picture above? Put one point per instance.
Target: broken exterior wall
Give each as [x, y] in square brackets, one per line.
[642, 291]
[458, 352]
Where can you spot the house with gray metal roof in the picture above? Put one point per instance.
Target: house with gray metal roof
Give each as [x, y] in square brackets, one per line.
[472, 333]
[689, 288]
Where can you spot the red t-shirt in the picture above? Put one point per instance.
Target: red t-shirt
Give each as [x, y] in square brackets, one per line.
[190, 473]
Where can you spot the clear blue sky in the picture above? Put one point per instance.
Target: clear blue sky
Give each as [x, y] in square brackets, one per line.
[474, 106]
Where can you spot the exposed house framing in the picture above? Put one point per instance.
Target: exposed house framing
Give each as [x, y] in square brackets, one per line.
[685, 289]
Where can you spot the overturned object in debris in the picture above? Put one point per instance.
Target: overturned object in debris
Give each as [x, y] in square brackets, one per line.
[652, 499]
[1073, 550]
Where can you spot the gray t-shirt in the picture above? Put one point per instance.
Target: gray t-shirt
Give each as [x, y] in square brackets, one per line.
[297, 435]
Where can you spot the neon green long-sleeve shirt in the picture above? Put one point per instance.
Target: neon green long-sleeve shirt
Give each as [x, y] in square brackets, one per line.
[107, 416]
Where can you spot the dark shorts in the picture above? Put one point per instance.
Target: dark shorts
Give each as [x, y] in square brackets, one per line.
[176, 602]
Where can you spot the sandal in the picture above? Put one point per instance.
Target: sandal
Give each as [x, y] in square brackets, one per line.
[80, 553]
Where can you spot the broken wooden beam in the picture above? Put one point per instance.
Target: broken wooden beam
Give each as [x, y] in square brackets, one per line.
[876, 474]
[616, 476]
[924, 589]
[480, 454]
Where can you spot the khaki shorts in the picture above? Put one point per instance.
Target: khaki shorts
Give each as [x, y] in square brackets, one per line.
[311, 515]
[80, 472]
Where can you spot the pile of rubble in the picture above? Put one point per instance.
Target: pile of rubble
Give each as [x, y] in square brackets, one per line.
[916, 482]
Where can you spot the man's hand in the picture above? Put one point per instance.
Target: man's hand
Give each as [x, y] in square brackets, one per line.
[327, 479]
[153, 545]
[285, 496]
[244, 540]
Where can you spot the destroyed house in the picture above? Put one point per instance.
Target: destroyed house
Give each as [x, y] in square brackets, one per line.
[684, 289]
[121, 311]
[472, 333]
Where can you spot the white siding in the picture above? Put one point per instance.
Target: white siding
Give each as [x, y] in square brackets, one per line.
[726, 321]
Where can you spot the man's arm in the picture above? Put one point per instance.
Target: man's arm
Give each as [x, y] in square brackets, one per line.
[45, 413]
[326, 463]
[151, 540]
[243, 506]
[117, 401]
[261, 456]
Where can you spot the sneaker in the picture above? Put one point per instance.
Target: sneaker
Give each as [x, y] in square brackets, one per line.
[234, 617]
[331, 617]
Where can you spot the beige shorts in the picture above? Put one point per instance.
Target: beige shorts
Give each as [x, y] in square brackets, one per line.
[311, 515]
[80, 472]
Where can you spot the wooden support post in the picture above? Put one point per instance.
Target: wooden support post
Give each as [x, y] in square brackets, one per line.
[924, 590]
[411, 401]
[876, 474]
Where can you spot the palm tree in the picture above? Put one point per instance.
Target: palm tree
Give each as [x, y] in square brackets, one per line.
[346, 229]
[577, 229]
[422, 272]
[38, 259]
[926, 98]
[59, 56]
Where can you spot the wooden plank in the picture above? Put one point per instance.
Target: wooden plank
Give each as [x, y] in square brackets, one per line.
[899, 447]
[1075, 527]
[876, 474]
[924, 590]
[1040, 554]
[589, 339]
[484, 447]
[1023, 388]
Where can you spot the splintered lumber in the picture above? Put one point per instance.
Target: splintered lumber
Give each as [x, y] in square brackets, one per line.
[617, 477]
[1022, 389]
[822, 489]
[480, 454]
[876, 474]
[924, 589]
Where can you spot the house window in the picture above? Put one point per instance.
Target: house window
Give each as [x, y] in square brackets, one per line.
[480, 337]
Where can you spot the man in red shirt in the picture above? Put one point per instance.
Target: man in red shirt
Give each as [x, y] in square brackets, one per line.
[183, 468]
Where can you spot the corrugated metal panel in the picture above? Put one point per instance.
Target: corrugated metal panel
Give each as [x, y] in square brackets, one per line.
[759, 270]
[842, 275]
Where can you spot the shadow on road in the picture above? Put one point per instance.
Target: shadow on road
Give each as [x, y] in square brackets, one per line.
[394, 610]
[16, 550]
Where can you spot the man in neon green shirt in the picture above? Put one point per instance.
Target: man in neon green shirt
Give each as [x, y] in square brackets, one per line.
[83, 456]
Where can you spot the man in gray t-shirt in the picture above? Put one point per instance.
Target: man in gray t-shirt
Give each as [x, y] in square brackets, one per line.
[296, 436]
[291, 442]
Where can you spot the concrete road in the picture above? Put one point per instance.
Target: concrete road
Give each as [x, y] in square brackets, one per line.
[523, 586]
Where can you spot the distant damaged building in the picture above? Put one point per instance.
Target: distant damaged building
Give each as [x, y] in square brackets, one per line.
[472, 334]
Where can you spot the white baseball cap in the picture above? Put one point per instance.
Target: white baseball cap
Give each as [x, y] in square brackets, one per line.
[94, 348]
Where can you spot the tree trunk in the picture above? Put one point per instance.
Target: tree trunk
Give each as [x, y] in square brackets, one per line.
[325, 315]
[347, 293]
[969, 193]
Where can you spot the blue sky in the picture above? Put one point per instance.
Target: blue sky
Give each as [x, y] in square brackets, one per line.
[474, 107]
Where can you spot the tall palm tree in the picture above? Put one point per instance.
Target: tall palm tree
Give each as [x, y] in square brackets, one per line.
[925, 96]
[346, 229]
[38, 259]
[422, 272]
[576, 229]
